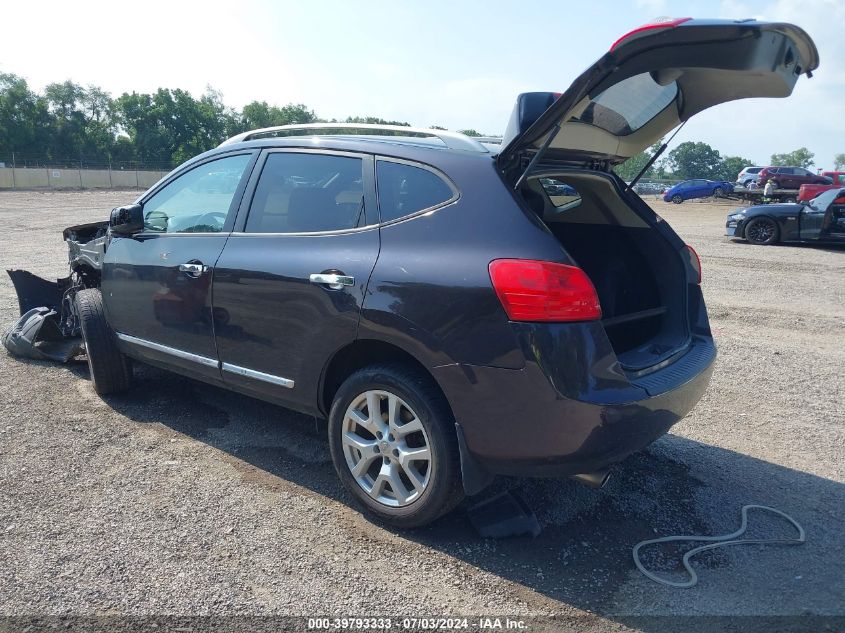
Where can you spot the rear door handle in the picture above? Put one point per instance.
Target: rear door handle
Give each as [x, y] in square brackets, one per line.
[193, 269]
[334, 281]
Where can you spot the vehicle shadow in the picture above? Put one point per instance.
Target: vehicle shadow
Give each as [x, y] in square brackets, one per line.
[826, 247]
[582, 557]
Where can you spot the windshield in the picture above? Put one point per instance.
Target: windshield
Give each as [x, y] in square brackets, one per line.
[823, 200]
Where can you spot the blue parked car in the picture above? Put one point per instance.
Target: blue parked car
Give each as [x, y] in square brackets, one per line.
[697, 188]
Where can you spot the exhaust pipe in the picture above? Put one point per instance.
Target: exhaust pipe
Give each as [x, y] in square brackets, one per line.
[592, 480]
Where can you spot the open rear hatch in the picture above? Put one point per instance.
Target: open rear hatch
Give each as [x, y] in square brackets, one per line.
[558, 149]
[652, 80]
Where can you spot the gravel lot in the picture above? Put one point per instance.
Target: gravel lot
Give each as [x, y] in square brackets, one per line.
[179, 498]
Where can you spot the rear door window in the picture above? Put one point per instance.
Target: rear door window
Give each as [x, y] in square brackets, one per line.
[404, 189]
[302, 192]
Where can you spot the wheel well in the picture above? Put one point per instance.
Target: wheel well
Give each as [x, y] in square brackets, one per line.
[88, 276]
[360, 354]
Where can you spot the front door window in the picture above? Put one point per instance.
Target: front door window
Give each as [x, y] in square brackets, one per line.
[197, 201]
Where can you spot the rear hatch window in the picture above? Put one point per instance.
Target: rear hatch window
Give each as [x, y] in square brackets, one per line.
[627, 106]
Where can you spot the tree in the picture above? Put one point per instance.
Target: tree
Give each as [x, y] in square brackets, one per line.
[731, 166]
[839, 161]
[801, 157]
[694, 160]
[24, 118]
[374, 120]
[259, 114]
[470, 132]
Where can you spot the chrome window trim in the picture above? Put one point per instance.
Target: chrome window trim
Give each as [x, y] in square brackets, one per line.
[258, 375]
[149, 234]
[165, 349]
[357, 229]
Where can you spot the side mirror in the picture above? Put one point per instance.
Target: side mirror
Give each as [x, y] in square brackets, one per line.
[127, 220]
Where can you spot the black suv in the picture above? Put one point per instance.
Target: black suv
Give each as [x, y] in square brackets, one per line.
[455, 309]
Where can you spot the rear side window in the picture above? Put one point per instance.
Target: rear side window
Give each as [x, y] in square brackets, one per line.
[307, 193]
[404, 189]
[561, 194]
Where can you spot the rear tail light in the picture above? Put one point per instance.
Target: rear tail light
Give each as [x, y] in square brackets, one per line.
[694, 265]
[532, 290]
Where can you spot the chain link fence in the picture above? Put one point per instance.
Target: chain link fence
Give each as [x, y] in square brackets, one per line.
[30, 171]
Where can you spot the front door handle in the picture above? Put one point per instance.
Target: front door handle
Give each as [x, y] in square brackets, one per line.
[193, 269]
[334, 281]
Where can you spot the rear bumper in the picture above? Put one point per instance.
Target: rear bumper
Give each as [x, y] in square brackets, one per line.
[553, 421]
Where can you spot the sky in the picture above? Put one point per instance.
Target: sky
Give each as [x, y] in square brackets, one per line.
[457, 64]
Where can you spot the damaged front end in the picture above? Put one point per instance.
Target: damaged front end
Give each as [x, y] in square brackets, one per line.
[49, 326]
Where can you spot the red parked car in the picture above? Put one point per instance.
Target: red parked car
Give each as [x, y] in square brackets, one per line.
[791, 177]
[808, 192]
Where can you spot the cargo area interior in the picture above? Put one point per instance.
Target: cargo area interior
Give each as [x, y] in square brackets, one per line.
[638, 275]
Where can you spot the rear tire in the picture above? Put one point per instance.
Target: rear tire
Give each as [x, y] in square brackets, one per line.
[111, 370]
[677, 198]
[370, 451]
[762, 231]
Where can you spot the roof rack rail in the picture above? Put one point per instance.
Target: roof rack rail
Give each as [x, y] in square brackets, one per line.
[492, 140]
[452, 140]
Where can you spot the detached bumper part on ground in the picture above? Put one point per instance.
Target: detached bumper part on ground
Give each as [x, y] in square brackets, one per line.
[41, 333]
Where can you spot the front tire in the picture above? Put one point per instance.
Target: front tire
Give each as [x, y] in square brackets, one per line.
[718, 192]
[762, 231]
[111, 370]
[393, 444]
[677, 198]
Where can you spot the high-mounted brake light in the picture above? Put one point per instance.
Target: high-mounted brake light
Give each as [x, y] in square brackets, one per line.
[532, 290]
[694, 263]
[664, 23]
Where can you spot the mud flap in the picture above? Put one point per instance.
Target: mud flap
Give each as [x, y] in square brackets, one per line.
[474, 476]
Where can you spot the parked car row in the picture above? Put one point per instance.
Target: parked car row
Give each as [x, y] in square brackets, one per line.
[646, 188]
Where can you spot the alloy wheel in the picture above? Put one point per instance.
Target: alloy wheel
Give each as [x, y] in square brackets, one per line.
[761, 232]
[386, 448]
